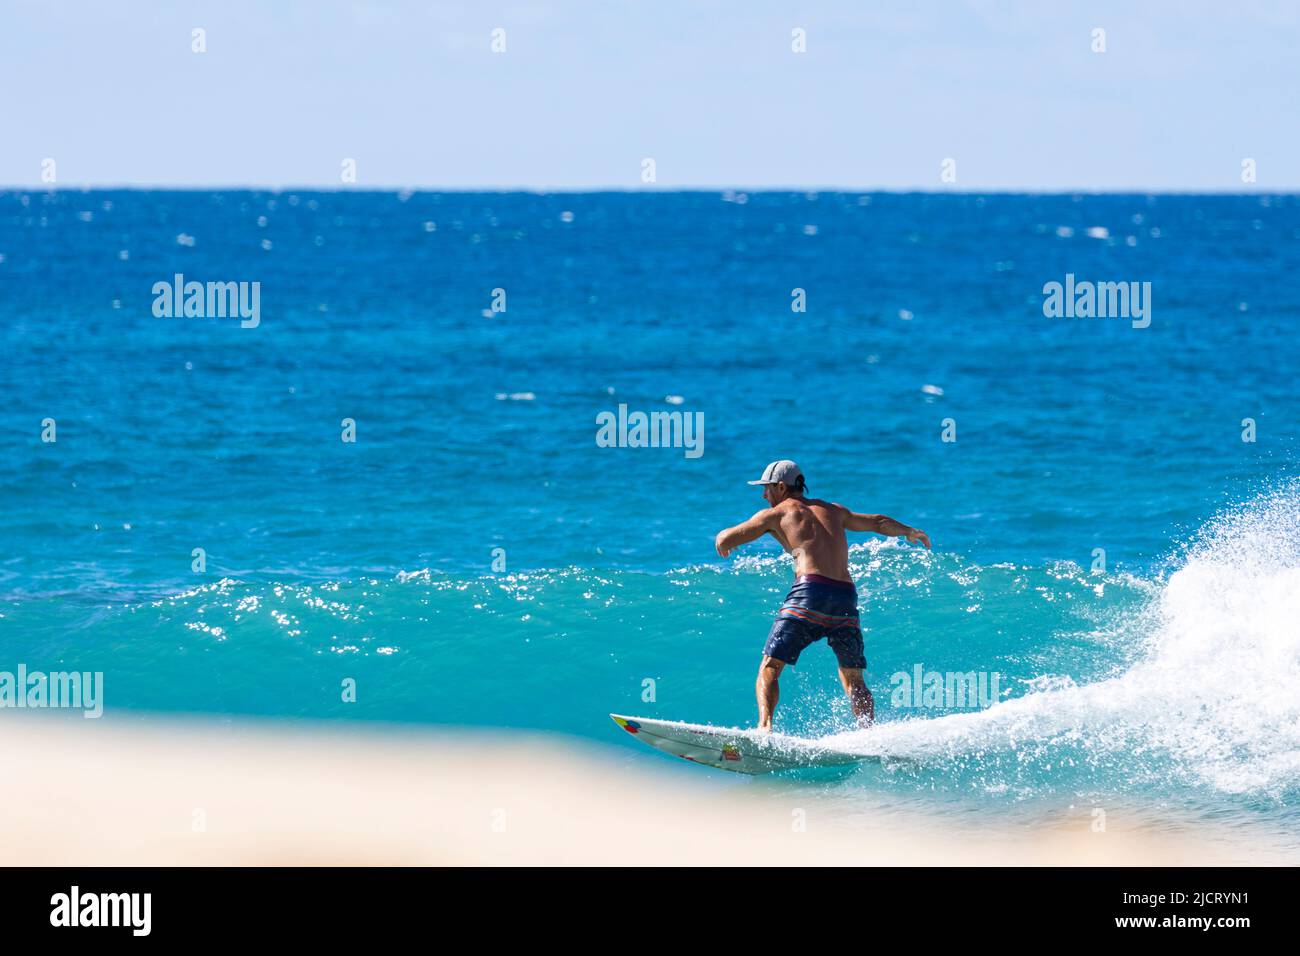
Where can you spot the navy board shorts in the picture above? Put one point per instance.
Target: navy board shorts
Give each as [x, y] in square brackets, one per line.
[818, 607]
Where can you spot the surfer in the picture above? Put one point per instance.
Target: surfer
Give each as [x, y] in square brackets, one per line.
[824, 600]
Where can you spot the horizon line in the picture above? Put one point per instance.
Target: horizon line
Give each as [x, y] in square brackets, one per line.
[594, 190]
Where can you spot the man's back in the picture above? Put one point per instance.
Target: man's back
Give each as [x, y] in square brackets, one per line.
[812, 531]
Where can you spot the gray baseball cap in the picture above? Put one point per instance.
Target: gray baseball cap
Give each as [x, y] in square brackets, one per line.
[784, 470]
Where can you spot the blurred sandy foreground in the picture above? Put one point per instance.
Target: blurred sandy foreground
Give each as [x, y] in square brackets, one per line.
[151, 793]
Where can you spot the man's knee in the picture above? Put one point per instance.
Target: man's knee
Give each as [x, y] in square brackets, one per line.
[769, 669]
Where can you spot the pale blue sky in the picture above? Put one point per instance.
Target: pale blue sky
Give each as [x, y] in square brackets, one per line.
[710, 90]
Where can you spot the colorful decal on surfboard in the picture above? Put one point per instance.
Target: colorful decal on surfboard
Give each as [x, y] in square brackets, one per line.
[631, 726]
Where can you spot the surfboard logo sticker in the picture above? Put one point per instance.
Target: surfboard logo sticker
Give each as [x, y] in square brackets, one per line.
[730, 752]
[631, 726]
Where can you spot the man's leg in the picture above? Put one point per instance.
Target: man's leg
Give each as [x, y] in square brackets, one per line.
[767, 691]
[864, 708]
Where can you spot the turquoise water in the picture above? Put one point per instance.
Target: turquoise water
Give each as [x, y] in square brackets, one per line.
[1165, 679]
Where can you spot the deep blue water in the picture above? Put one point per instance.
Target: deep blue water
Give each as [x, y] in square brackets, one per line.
[1168, 675]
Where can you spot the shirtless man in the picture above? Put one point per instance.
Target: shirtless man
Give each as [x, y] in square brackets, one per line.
[823, 601]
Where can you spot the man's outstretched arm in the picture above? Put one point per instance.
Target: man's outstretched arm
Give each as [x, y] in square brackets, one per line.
[729, 539]
[883, 524]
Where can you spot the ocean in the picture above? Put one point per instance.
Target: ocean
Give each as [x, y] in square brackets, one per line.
[391, 468]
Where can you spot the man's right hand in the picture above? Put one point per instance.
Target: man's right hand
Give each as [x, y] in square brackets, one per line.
[916, 535]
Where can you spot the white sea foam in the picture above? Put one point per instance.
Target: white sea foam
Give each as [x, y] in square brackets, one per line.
[1212, 696]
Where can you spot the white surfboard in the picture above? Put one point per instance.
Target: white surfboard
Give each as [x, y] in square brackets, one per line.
[734, 749]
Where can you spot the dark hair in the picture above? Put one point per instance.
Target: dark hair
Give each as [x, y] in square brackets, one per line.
[800, 486]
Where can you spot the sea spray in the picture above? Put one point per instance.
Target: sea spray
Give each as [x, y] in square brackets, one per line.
[1208, 702]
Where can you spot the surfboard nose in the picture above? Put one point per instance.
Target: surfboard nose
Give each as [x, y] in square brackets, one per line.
[627, 723]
